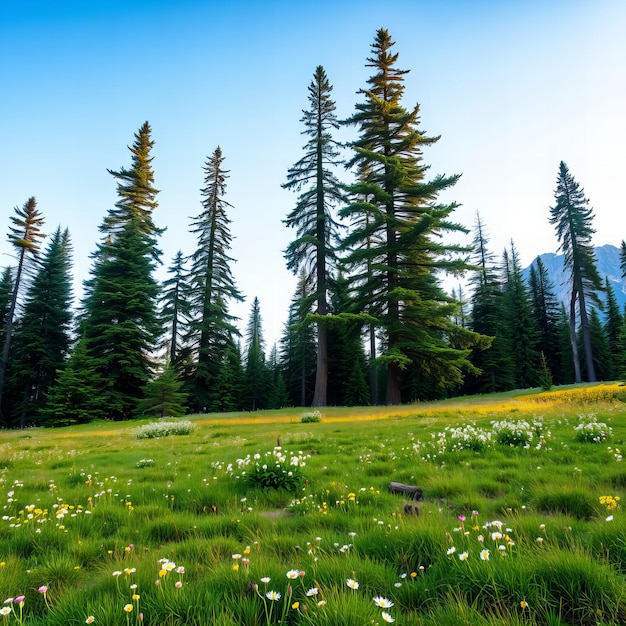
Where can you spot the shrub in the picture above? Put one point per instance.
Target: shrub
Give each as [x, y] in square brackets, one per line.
[310, 417]
[164, 428]
[589, 430]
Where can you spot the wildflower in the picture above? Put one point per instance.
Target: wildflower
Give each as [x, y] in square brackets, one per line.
[180, 570]
[292, 574]
[609, 518]
[90, 620]
[265, 579]
[20, 600]
[383, 603]
[321, 603]
[387, 618]
[451, 550]
[353, 584]
[463, 556]
[524, 604]
[313, 591]
[42, 589]
[413, 574]
[5, 610]
[116, 573]
[128, 608]
[178, 584]
[539, 539]
[236, 556]
[484, 555]
[135, 596]
[461, 518]
[273, 595]
[295, 605]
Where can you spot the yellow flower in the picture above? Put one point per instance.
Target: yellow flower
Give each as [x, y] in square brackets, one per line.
[236, 567]
[524, 604]
[295, 605]
[136, 596]
[128, 608]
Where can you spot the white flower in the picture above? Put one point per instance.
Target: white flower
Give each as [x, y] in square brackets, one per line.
[265, 579]
[383, 603]
[484, 555]
[273, 595]
[463, 556]
[387, 618]
[609, 518]
[451, 550]
[313, 591]
[292, 574]
[353, 584]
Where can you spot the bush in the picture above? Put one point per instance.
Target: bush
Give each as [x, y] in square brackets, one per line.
[310, 417]
[275, 470]
[589, 430]
[164, 428]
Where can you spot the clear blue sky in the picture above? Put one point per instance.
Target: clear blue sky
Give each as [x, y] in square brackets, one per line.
[512, 87]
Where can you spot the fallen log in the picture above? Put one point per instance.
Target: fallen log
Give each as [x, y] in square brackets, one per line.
[410, 491]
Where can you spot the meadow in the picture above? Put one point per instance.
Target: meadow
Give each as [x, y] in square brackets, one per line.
[285, 517]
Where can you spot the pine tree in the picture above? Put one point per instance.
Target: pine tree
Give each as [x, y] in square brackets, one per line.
[297, 346]
[164, 396]
[603, 360]
[402, 212]
[567, 373]
[25, 236]
[572, 216]
[42, 338]
[175, 310]
[520, 324]
[546, 313]
[228, 391]
[278, 397]
[494, 365]
[256, 374]
[613, 324]
[314, 247]
[6, 294]
[121, 325]
[211, 327]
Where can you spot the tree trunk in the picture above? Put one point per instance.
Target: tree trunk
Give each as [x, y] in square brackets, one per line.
[572, 337]
[584, 327]
[321, 371]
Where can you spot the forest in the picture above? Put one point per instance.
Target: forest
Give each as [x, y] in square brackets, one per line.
[369, 322]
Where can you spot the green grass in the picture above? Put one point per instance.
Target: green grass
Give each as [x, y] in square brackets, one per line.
[507, 473]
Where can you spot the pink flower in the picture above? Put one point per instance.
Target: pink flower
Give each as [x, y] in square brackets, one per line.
[462, 518]
[42, 589]
[178, 584]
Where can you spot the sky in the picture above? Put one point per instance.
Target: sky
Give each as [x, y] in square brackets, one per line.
[511, 87]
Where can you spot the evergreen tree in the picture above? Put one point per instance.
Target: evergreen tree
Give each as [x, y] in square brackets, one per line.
[403, 213]
[256, 376]
[603, 361]
[566, 370]
[174, 310]
[622, 258]
[121, 324]
[494, 365]
[164, 396]
[228, 391]
[546, 313]
[211, 326]
[76, 397]
[613, 324]
[25, 236]
[572, 216]
[297, 346]
[314, 247]
[42, 339]
[278, 397]
[6, 294]
[521, 327]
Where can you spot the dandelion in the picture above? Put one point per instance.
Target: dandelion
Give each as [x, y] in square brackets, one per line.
[353, 584]
[383, 603]
[274, 596]
[484, 555]
[295, 605]
[292, 574]
[387, 618]
[313, 591]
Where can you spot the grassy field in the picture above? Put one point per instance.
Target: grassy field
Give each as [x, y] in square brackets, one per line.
[521, 519]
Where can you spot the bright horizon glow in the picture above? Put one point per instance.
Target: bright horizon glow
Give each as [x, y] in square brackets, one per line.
[512, 88]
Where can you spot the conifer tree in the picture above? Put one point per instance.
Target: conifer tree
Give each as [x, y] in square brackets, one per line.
[228, 393]
[119, 322]
[211, 327]
[256, 374]
[25, 236]
[572, 216]
[164, 395]
[174, 303]
[314, 247]
[278, 397]
[297, 346]
[613, 323]
[404, 213]
[494, 365]
[546, 313]
[42, 338]
[520, 324]
[6, 293]
[603, 359]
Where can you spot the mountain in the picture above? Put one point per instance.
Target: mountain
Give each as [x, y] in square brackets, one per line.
[608, 264]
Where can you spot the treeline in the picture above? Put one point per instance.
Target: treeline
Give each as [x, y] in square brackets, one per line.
[369, 321]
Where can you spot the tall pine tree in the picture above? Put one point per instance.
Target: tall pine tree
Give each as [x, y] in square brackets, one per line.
[211, 327]
[572, 216]
[314, 247]
[404, 213]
